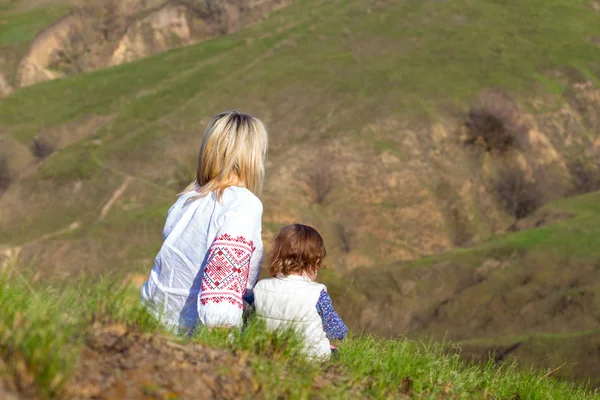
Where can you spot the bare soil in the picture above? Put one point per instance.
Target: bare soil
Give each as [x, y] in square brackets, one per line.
[121, 363]
[540, 219]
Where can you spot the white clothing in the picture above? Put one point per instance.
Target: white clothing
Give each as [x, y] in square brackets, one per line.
[291, 301]
[212, 252]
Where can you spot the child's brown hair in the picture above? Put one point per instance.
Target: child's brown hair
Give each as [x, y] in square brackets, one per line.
[297, 249]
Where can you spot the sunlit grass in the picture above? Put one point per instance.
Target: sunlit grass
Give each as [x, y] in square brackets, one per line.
[42, 327]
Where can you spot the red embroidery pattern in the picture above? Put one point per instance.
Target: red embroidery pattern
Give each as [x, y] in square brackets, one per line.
[226, 272]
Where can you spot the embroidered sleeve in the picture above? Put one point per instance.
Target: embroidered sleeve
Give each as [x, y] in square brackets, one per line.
[228, 270]
[333, 325]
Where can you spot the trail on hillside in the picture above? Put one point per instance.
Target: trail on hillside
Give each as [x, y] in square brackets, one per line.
[118, 193]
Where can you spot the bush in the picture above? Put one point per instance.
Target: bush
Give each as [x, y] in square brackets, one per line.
[320, 182]
[5, 175]
[495, 124]
[345, 235]
[519, 195]
[585, 174]
[40, 148]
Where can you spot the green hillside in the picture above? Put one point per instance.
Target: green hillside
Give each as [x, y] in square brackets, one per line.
[102, 345]
[374, 96]
[533, 294]
[360, 81]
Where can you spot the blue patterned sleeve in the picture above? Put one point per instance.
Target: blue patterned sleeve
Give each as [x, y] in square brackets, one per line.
[332, 324]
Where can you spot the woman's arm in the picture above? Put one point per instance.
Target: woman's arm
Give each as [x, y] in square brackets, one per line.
[227, 272]
[255, 262]
[333, 325]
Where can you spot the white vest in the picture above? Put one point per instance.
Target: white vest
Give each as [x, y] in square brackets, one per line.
[291, 301]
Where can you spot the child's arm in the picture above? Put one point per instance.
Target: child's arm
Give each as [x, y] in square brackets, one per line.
[332, 323]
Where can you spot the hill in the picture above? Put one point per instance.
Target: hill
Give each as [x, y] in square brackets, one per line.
[102, 33]
[401, 130]
[531, 294]
[82, 341]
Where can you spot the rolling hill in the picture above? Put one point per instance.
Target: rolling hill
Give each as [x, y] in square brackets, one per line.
[375, 110]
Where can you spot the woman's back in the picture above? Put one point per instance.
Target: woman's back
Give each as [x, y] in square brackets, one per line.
[225, 234]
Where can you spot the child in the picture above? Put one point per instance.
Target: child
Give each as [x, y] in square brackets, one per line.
[291, 298]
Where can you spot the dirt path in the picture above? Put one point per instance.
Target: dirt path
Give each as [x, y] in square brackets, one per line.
[114, 198]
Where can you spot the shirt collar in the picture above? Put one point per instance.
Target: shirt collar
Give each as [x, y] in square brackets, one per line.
[293, 277]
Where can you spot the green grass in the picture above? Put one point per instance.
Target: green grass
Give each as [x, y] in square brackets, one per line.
[43, 326]
[436, 373]
[575, 238]
[316, 72]
[341, 64]
[406, 57]
[17, 28]
[335, 64]
[531, 296]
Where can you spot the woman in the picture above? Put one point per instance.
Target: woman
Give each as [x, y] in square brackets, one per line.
[212, 249]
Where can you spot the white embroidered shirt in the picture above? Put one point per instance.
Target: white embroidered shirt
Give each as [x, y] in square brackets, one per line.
[211, 254]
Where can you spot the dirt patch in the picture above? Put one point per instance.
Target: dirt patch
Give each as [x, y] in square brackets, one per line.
[107, 33]
[16, 382]
[540, 219]
[7, 386]
[595, 40]
[120, 363]
[7, 390]
[584, 97]
[5, 88]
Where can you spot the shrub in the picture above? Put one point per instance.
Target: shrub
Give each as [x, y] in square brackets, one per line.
[495, 124]
[519, 195]
[40, 148]
[5, 175]
[320, 182]
[345, 235]
[585, 174]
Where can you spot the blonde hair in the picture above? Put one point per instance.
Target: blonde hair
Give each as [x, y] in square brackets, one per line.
[297, 249]
[233, 152]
